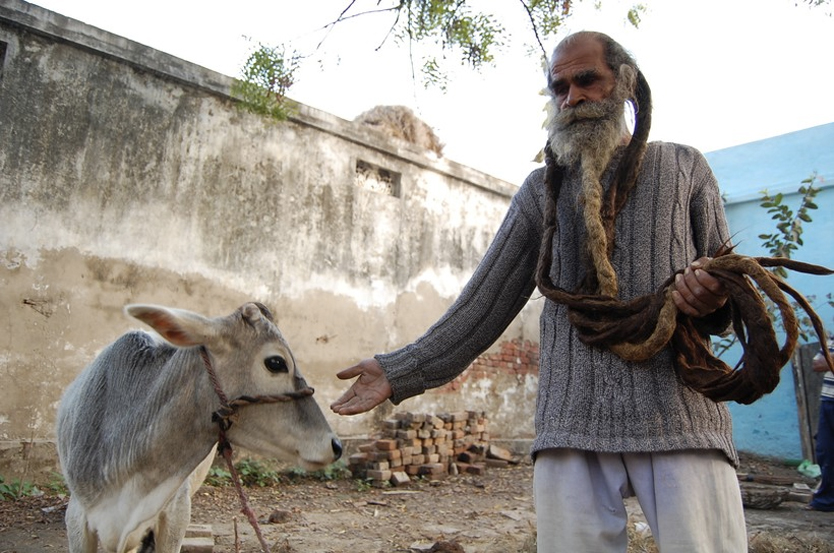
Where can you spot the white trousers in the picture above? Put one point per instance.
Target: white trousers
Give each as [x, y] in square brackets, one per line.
[691, 500]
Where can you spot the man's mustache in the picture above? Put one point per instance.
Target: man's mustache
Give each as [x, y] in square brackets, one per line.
[586, 111]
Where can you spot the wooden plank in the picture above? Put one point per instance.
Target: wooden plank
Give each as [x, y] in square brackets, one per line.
[807, 385]
[768, 479]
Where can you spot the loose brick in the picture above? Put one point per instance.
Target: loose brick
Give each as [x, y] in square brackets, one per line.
[432, 468]
[382, 475]
[399, 479]
[386, 445]
[358, 458]
[417, 417]
[476, 469]
[497, 452]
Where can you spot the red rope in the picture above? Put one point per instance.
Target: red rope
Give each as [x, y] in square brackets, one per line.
[246, 508]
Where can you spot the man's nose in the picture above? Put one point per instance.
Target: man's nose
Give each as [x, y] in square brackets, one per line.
[573, 98]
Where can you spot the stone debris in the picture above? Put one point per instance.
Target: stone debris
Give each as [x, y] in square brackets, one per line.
[198, 539]
[418, 445]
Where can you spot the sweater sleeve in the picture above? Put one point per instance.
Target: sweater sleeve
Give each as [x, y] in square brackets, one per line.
[497, 291]
[710, 229]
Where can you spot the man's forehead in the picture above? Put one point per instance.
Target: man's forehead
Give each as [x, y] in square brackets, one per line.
[579, 55]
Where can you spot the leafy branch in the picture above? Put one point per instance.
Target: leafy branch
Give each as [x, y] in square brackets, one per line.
[788, 235]
[267, 75]
[783, 242]
[447, 31]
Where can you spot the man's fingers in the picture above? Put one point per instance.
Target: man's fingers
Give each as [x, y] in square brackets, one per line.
[709, 283]
[698, 293]
[350, 372]
[345, 399]
[682, 305]
[351, 404]
[684, 297]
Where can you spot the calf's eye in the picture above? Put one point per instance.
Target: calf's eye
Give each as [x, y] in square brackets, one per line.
[276, 364]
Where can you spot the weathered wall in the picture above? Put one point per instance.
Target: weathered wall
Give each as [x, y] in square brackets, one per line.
[127, 175]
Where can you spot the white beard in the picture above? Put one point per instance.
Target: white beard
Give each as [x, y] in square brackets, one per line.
[591, 131]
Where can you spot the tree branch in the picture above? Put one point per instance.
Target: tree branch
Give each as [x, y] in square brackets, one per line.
[535, 29]
[342, 18]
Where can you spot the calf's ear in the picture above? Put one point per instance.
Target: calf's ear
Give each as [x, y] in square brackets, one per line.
[254, 313]
[179, 327]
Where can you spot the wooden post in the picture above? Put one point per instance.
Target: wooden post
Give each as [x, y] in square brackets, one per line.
[807, 385]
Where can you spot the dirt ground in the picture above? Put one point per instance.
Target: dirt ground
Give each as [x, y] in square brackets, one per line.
[490, 513]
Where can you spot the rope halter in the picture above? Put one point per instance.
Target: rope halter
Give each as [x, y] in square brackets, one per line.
[225, 416]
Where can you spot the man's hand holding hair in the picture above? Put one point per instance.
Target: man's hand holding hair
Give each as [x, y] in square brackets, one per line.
[697, 293]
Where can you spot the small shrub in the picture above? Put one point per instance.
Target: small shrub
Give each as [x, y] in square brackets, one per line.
[266, 77]
[255, 473]
[363, 484]
[334, 471]
[218, 477]
[57, 485]
[16, 489]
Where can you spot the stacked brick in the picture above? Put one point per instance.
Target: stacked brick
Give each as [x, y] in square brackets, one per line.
[429, 446]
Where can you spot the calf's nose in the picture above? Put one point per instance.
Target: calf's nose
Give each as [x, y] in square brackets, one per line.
[337, 448]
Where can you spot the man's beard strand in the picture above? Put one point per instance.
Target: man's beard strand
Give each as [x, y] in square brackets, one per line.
[589, 134]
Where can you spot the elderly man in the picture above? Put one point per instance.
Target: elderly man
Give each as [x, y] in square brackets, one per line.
[610, 216]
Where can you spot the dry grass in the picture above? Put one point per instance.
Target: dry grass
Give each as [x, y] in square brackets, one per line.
[764, 542]
[401, 122]
[638, 541]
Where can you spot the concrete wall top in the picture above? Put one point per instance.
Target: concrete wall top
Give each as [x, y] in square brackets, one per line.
[56, 26]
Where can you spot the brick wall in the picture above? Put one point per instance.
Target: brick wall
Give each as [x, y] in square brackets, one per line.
[516, 357]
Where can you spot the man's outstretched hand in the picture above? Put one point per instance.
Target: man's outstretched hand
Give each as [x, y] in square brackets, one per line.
[369, 390]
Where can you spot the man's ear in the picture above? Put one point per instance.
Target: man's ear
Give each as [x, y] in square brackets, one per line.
[628, 76]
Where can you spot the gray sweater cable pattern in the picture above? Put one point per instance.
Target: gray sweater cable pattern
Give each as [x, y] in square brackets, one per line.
[588, 398]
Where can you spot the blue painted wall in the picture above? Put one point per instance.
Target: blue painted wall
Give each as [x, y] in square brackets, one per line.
[770, 426]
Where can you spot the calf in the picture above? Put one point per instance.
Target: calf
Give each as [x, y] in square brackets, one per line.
[135, 430]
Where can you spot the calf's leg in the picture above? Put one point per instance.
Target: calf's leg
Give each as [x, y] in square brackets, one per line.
[81, 540]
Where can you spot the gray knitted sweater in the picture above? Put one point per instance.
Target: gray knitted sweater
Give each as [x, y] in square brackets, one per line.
[588, 398]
